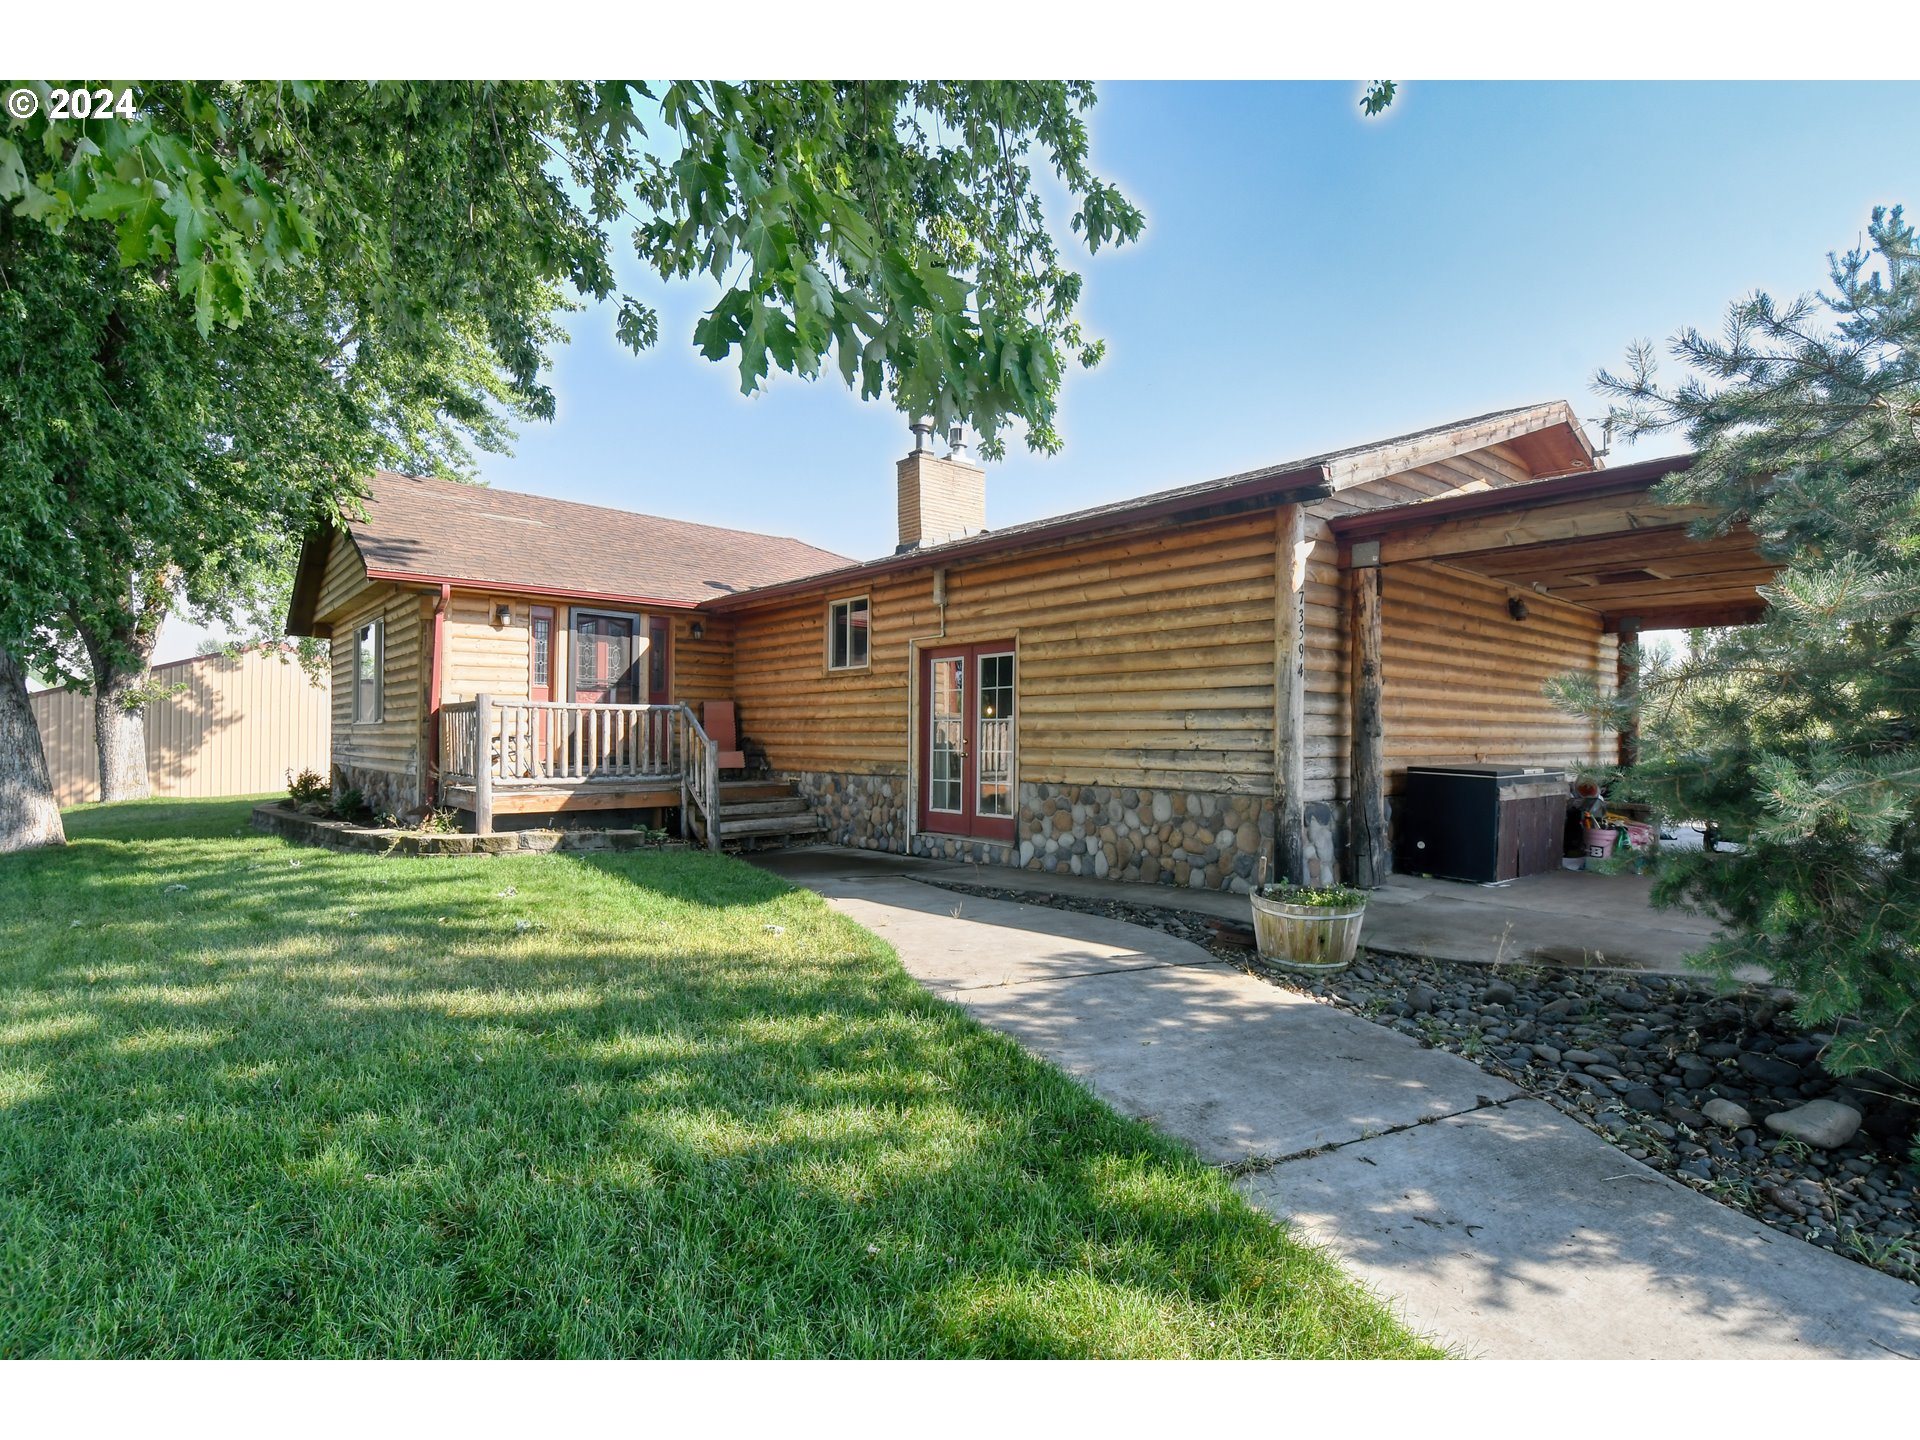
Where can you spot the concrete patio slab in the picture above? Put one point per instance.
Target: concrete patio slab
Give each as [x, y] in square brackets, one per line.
[1573, 918]
[1523, 1235]
[1561, 918]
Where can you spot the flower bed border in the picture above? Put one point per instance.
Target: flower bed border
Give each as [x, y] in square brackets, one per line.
[275, 819]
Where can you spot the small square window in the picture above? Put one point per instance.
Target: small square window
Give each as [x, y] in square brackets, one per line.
[847, 634]
[369, 646]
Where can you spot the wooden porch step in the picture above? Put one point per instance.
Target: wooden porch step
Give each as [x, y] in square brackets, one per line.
[804, 824]
[743, 790]
[745, 809]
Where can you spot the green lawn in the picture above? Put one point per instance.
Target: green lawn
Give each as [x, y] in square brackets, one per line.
[263, 1100]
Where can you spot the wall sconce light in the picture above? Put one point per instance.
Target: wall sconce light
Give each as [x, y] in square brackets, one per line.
[697, 631]
[1517, 607]
[502, 615]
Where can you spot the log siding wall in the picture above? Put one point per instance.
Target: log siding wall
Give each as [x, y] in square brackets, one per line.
[1143, 660]
[384, 759]
[1464, 678]
[1146, 682]
[1146, 685]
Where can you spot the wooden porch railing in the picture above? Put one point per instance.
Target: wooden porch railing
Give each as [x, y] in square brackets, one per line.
[494, 744]
[700, 780]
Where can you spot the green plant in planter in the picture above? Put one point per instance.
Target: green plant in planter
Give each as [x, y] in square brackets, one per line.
[1308, 927]
[1319, 897]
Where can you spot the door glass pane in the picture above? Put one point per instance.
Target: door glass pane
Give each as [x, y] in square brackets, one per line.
[946, 750]
[995, 751]
[620, 657]
[542, 648]
[586, 653]
[657, 661]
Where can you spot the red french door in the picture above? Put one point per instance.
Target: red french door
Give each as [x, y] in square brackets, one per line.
[966, 740]
[659, 661]
[605, 671]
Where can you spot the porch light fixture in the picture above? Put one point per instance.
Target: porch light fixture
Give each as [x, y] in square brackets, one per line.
[1517, 607]
[697, 630]
[502, 615]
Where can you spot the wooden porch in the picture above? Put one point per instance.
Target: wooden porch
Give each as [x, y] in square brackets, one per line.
[523, 757]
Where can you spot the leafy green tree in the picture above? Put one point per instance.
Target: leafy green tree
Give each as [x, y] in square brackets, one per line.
[1801, 735]
[339, 274]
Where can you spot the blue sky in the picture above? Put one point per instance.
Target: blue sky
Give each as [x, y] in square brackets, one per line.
[1307, 279]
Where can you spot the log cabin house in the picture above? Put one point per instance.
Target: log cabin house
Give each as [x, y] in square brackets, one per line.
[1168, 689]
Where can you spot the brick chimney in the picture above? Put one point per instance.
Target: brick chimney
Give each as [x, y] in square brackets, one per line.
[942, 497]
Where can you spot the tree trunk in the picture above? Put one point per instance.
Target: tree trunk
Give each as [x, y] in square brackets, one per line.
[120, 660]
[29, 817]
[120, 731]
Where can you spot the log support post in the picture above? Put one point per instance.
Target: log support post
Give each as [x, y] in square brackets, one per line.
[1369, 860]
[1292, 550]
[483, 764]
[1627, 680]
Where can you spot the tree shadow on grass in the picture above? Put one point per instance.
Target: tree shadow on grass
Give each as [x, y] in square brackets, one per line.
[318, 1104]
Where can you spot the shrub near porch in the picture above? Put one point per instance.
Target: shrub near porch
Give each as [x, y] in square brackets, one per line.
[263, 1100]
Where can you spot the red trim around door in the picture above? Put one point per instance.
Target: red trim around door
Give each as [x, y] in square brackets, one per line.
[542, 651]
[659, 660]
[977, 720]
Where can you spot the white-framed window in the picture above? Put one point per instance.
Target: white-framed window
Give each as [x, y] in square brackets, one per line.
[369, 665]
[847, 634]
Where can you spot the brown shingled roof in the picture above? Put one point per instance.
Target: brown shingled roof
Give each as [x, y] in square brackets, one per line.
[435, 530]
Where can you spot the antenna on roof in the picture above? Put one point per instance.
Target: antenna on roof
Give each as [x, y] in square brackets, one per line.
[1606, 435]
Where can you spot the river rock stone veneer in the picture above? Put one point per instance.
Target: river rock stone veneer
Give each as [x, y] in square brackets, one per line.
[866, 812]
[1157, 837]
[384, 791]
[1199, 839]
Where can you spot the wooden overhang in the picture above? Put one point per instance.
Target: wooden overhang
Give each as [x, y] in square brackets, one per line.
[1598, 539]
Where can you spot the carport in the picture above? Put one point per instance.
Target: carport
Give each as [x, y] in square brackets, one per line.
[1599, 541]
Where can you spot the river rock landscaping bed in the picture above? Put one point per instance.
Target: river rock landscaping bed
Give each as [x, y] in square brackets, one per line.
[1718, 1089]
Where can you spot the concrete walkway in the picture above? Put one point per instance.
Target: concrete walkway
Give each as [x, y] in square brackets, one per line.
[1489, 1220]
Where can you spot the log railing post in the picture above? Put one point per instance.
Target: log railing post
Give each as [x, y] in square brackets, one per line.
[1369, 858]
[483, 764]
[1627, 686]
[1291, 552]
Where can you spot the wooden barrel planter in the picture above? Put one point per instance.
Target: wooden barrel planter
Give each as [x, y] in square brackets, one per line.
[1308, 936]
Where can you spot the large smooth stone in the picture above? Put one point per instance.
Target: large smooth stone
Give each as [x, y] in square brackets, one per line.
[1825, 1123]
